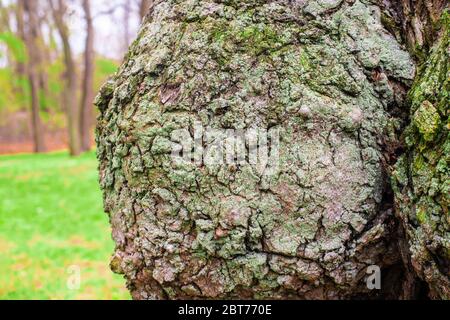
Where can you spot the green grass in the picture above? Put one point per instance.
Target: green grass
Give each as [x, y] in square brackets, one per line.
[51, 218]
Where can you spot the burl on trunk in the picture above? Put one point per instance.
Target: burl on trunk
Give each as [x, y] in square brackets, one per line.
[327, 81]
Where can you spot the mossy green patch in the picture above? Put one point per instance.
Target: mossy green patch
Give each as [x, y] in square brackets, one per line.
[427, 120]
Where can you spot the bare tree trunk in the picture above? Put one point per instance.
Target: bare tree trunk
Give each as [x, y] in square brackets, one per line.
[45, 60]
[126, 25]
[144, 7]
[21, 66]
[34, 66]
[5, 26]
[88, 79]
[59, 10]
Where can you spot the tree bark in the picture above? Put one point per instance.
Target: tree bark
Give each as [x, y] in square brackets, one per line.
[34, 65]
[16, 60]
[422, 175]
[88, 82]
[59, 11]
[327, 76]
[422, 23]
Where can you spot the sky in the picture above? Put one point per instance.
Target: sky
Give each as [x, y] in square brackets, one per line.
[109, 29]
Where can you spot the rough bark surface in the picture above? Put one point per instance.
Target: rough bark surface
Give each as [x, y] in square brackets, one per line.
[329, 76]
[422, 176]
[421, 21]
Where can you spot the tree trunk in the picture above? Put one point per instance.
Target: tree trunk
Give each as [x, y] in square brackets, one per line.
[5, 26]
[15, 60]
[126, 25]
[45, 61]
[21, 65]
[59, 10]
[144, 7]
[422, 21]
[88, 81]
[34, 65]
[293, 110]
[422, 175]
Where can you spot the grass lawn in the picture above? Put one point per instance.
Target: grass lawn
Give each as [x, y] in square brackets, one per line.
[51, 219]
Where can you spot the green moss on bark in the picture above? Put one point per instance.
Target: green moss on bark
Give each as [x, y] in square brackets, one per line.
[422, 176]
[326, 75]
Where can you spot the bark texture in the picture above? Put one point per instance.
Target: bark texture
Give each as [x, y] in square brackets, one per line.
[422, 176]
[332, 79]
[422, 22]
[329, 76]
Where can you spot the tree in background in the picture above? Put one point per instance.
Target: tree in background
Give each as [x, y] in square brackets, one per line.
[144, 6]
[27, 12]
[20, 65]
[87, 93]
[5, 23]
[60, 14]
[16, 54]
[126, 25]
[33, 36]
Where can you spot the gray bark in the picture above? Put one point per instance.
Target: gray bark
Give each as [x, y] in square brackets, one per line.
[331, 78]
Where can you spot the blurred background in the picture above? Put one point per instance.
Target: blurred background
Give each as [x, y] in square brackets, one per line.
[55, 240]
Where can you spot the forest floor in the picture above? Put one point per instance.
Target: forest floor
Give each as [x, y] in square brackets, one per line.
[52, 225]
[16, 135]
